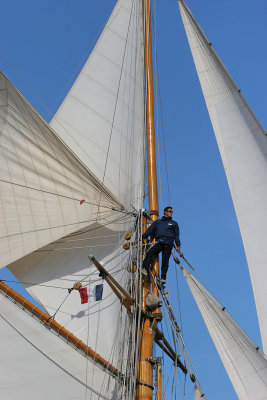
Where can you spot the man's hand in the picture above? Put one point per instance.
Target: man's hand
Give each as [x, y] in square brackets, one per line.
[178, 249]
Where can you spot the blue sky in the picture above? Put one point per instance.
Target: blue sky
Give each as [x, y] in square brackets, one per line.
[44, 43]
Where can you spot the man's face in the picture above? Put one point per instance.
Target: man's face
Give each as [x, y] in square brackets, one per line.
[168, 213]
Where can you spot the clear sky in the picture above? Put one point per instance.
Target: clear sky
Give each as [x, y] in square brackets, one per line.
[42, 45]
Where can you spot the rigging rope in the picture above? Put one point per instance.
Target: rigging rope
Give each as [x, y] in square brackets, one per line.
[163, 133]
[70, 224]
[177, 332]
[63, 196]
[158, 95]
[179, 302]
[115, 107]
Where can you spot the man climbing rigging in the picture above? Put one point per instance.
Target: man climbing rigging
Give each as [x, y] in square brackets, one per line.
[166, 232]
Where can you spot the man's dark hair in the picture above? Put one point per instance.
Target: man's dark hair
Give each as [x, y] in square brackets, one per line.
[167, 208]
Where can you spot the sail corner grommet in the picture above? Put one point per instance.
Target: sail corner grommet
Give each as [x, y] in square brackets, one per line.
[128, 235]
[126, 245]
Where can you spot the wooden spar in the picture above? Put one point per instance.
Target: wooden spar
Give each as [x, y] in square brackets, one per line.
[144, 390]
[125, 298]
[59, 329]
[150, 131]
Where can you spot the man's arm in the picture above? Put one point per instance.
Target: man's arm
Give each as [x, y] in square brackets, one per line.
[177, 237]
[150, 230]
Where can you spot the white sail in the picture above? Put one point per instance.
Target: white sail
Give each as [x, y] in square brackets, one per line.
[41, 185]
[41, 182]
[48, 273]
[106, 132]
[102, 117]
[36, 363]
[243, 146]
[246, 366]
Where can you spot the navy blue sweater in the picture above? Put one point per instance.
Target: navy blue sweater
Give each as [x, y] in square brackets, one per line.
[165, 230]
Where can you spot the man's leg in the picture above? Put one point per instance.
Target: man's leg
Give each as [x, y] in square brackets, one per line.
[166, 253]
[154, 250]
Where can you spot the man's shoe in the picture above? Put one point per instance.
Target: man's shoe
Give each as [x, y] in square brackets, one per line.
[144, 272]
[146, 275]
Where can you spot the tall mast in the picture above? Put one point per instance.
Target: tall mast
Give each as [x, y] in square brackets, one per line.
[145, 375]
[150, 131]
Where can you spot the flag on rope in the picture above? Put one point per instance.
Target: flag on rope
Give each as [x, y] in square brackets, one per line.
[94, 293]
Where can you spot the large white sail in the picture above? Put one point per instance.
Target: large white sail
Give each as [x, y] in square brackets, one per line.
[102, 117]
[41, 183]
[105, 132]
[34, 362]
[245, 364]
[243, 146]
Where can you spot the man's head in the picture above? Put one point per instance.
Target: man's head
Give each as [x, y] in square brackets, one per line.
[168, 211]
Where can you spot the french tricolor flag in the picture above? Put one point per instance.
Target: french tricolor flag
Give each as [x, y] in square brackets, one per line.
[94, 293]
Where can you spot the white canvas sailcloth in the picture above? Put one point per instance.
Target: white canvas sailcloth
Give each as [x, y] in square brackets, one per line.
[42, 182]
[245, 364]
[102, 116]
[34, 362]
[243, 146]
[47, 233]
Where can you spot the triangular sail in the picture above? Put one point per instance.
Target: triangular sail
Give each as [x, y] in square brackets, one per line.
[102, 117]
[245, 364]
[41, 182]
[243, 147]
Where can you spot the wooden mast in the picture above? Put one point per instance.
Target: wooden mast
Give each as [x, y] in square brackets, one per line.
[144, 389]
[150, 131]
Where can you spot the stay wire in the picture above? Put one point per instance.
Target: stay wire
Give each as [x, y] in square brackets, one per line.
[50, 113]
[162, 127]
[178, 297]
[179, 337]
[51, 360]
[33, 284]
[157, 114]
[61, 226]
[26, 85]
[78, 68]
[115, 107]
[53, 316]
[61, 195]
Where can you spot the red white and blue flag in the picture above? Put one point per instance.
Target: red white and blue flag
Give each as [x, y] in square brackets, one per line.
[92, 293]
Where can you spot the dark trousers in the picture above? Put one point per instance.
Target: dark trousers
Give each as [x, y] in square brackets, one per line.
[158, 247]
